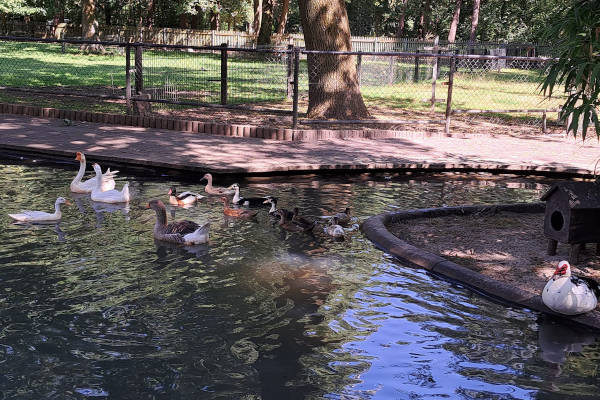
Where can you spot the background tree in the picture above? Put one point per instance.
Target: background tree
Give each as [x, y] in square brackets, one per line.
[283, 16]
[474, 20]
[454, 23]
[266, 26]
[333, 84]
[578, 68]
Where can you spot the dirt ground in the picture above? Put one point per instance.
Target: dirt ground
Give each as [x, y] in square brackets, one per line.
[257, 114]
[509, 247]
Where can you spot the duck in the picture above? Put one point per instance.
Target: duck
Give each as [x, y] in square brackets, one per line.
[184, 198]
[246, 201]
[210, 189]
[344, 216]
[77, 186]
[334, 229]
[108, 196]
[41, 216]
[302, 221]
[569, 294]
[273, 210]
[236, 212]
[180, 232]
[286, 223]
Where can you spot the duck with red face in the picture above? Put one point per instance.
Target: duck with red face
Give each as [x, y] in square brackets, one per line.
[569, 294]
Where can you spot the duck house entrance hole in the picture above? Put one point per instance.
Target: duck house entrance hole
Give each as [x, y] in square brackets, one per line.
[557, 221]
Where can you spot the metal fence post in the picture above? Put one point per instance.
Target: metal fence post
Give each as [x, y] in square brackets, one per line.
[224, 74]
[449, 95]
[139, 81]
[295, 102]
[358, 67]
[128, 78]
[290, 72]
[434, 72]
[416, 74]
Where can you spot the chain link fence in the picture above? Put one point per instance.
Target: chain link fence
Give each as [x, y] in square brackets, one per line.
[397, 88]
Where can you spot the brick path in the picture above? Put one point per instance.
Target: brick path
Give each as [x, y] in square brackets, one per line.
[144, 146]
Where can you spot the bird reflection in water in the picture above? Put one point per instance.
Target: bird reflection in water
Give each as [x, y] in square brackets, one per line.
[558, 341]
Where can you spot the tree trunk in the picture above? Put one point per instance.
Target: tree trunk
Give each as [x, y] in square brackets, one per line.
[89, 25]
[474, 20]
[454, 24]
[215, 20]
[401, 21]
[266, 26]
[258, 5]
[150, 14]
[333, 90]
[285, 8]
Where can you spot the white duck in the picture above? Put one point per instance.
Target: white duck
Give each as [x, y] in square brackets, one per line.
[77, 186]
[570, 295]
[109, 196]
[41, 216]
[334, 229]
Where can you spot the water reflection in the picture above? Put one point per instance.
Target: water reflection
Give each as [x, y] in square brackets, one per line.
[259, 311]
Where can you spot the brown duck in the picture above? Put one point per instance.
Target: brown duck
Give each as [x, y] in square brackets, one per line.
[236, 212]
[180, 232]
[291, 226]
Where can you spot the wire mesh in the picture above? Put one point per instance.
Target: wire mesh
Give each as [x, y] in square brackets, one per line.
[63, 68]
[503, 88]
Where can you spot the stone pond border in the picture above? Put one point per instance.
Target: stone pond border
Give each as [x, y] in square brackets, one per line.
[202, 127]
[375, 229]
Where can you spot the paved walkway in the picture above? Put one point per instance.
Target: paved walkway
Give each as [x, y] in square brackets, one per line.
[144, 146]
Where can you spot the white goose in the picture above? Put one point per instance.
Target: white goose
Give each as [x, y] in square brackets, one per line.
[77, 186]
[568, 294]
[109, 196]
[41, 216]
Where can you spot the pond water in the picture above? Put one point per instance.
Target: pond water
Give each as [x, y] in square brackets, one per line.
[94, 307]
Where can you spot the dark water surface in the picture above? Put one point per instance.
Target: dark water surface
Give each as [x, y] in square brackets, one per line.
[93, 307]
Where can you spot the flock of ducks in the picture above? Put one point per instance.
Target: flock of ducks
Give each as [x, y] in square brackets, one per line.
[102, 189]
[564, 293]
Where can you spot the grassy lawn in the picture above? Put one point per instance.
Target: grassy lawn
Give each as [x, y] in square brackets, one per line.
[187, 76]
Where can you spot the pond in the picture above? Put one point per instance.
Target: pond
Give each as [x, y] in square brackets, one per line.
[94, 307]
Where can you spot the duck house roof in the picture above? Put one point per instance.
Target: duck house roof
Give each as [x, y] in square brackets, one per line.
[581, 195]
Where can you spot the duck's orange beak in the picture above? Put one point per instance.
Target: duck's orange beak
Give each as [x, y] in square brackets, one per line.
[147, 206]
[78, 156]
[67, 202]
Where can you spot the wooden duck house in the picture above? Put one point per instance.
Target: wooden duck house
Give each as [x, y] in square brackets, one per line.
[572, 216]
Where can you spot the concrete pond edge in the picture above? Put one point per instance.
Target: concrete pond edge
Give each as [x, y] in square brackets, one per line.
[375, 228]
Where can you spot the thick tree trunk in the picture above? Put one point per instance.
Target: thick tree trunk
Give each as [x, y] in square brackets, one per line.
[258, 6]
[454, 24]
[333, 90]
[402, 20]
[285, 8]
[89, 25]
[266, 26]
[474, 20]
[150, 14]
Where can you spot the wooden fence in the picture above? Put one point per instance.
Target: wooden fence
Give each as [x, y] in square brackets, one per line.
[191, 37]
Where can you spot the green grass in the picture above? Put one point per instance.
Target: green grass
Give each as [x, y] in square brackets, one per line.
[257, 78]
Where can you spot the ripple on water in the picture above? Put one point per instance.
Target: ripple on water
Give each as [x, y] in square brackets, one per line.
[95, 307]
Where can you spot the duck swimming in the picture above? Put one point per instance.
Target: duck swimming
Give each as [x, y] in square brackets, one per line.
[108, 196]
[77, 186]
[246, 201]
[302, 221]
[568, 294]
[334, 229]
[41, 216]
[273, 210]
[236, 212]
[184, 198]
[180, 232]
[344, 216]
[288, 225]
[210, 189]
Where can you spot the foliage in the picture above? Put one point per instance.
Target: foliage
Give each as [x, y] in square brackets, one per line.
[578, 68]
[19, 7]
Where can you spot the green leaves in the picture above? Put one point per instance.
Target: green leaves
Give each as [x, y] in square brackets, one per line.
[578, 67]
